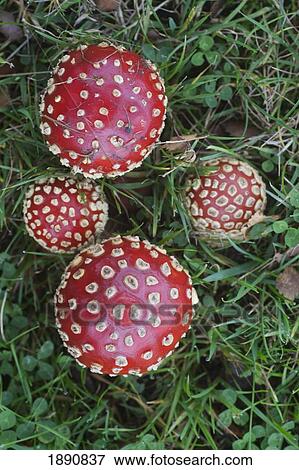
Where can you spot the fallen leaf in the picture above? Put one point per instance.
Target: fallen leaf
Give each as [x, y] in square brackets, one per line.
[154, 35]
[216, 8]
[9, 28]
[107, 5]
[4, 99]
[290, 253]
[9, 68]
[189, 156]
[179, 143]
[236, 128]
[288, 283]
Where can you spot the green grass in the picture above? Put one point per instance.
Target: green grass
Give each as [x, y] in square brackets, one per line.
[234, 381]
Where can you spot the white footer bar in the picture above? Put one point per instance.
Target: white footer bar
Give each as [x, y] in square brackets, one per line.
[151, 460]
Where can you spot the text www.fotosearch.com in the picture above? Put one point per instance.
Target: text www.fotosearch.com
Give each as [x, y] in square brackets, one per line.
[153, 459]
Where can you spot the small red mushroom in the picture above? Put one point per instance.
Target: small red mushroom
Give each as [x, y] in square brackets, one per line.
[123, 305]
[226, 202]
[103, 110]
[62, 214]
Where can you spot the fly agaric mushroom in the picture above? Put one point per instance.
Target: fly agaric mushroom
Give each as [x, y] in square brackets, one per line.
[103, 110]
[227, 201]
[123, 305]
[62, 214]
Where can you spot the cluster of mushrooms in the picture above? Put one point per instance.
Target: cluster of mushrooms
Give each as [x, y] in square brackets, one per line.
[123, 304]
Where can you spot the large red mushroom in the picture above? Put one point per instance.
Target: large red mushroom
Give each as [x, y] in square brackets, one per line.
[63, 214]
[227, 201]
[103, 110]
[123, 305]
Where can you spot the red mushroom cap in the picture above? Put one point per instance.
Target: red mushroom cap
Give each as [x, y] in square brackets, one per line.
[123, 306]
[103, 110]
[227, 201]
[62, 214]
